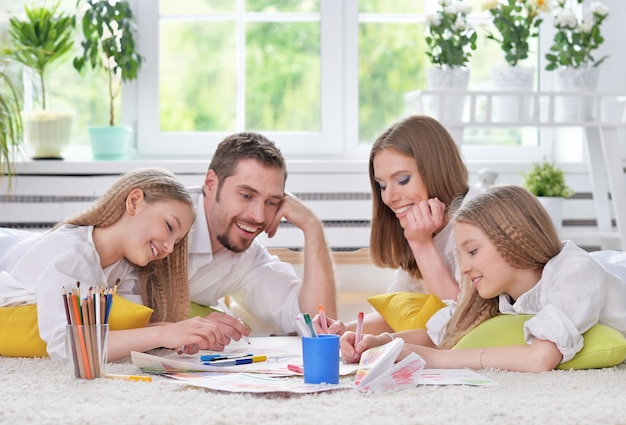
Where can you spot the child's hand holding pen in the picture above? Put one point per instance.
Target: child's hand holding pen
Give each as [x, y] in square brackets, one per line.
[227, 312]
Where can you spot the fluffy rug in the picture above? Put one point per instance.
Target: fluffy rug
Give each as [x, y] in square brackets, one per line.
[40, 391]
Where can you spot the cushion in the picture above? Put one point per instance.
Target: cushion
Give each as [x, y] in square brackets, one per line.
[604, 346]
[200, 310]
[406, 310]
[19, 332]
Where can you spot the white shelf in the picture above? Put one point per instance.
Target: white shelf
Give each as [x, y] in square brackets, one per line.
[600, 114]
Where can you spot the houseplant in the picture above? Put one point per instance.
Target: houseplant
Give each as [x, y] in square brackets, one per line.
[572, 52]
[39, 41]
[450, 40]
[11, 104]
[108, 45]
[515, 22]
[546, 181]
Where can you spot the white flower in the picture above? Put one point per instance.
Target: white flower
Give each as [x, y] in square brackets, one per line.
[565, 18]
[463, 8]
[599, 8]
[444, 3]
[585, 27]
[541, 5]
[490, 4]
[459, 24]
[433, 20]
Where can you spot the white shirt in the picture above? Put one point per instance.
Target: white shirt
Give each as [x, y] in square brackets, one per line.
[574, 293]
[259, 282]
[36, 267]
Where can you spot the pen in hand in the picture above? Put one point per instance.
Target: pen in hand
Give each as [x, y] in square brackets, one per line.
[359, 333]
[226, 310]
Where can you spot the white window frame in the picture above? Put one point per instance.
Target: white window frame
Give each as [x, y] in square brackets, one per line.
[338, 138]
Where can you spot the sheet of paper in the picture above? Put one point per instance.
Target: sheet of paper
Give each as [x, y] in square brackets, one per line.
[280, 352]
[253, 383]
[454, 377]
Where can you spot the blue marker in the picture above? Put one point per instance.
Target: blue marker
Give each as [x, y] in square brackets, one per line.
[234, 362]
[221, 356]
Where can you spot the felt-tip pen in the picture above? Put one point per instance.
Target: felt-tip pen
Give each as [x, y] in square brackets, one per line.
[235, 362]
[214, 357]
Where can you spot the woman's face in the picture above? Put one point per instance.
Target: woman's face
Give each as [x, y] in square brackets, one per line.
[156, 228]
[401, 185]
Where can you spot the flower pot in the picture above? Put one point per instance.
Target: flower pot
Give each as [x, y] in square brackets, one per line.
[574, 108]
[512, 109]
[110, 142]
[47, 133]
[554, 206]
[448, 109]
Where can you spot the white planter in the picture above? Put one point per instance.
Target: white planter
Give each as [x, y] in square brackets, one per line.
[448, 109]
[47, 133]
[575, 80]
[515, 79]
[554, 207]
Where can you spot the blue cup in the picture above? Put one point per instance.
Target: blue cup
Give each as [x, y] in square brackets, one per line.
[321, 359]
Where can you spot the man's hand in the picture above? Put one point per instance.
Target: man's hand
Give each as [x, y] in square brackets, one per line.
[294, 211]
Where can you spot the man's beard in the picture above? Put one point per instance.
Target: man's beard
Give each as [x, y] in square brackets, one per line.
[229, 245]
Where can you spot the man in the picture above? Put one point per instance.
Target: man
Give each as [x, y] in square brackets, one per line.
[243, 195]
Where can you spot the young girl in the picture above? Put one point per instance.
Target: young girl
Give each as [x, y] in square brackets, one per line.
[136, 232]
[416, 170]
[514, 263]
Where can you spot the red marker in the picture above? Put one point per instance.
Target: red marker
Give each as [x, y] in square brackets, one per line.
[320, 310]
[295, 368]
[359, 333]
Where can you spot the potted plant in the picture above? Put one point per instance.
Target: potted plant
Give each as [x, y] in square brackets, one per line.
[546, 181]
[108, 45]
[38, 41]
[572, 52]
[450, 40]
[516, 22]
[11, 104]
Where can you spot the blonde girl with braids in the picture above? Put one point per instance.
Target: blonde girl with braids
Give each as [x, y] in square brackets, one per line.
[513, 262]
[137, 233]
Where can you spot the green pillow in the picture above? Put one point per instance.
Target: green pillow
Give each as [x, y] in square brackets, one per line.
[604, 346]
[406, 310]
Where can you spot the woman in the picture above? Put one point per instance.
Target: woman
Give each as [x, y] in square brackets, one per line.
[416, 170]
[513, 262]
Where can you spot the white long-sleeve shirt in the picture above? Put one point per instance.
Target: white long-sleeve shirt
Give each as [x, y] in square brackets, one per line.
[575, 292]
[258, 281]
[36, 267]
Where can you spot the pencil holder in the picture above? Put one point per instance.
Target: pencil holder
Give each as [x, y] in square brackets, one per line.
[87, 347]
[321, 359]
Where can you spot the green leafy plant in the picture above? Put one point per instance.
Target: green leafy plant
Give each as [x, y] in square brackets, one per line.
[546, 179]
[516, 22]
[449, 37]
[11, 104]
[576, 39]
[108, 44]
[41, 39]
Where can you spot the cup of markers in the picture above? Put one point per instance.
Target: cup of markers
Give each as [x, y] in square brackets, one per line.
[320, 354]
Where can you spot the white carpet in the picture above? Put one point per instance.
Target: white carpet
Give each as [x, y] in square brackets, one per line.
[40, 391]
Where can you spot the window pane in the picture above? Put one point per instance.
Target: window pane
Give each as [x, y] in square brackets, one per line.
[196, 7]
[298, 6]
[391, 6]
[391, 63]
[283, 77]
[197, 78]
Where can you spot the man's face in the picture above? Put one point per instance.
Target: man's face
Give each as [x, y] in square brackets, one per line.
[246, 203]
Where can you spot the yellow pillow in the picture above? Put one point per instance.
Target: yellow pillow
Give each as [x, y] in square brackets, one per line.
[604, 346]
[19, 332]
[406, 310]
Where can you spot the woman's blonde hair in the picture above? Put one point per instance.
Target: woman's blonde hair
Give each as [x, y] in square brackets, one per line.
[164, 283]
[523, 234]
[442, 170]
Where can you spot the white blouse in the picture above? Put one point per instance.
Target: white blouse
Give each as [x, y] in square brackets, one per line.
[36, 267]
